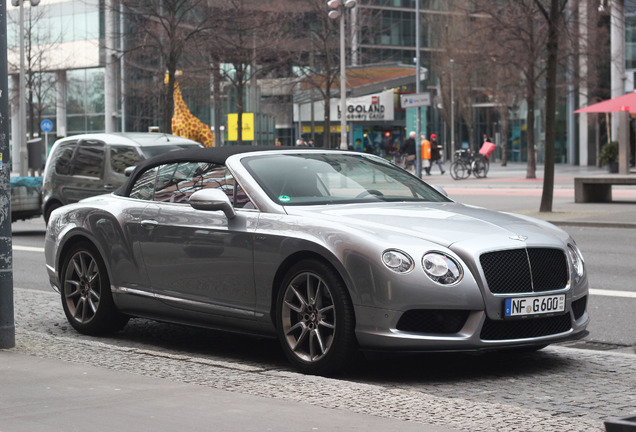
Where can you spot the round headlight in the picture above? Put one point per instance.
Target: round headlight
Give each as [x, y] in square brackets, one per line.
[577, 259]
[397, 261]
[442, 269]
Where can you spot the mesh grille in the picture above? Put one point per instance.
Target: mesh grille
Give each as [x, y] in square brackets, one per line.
[525, 328]
[525, 270]
[432, 321]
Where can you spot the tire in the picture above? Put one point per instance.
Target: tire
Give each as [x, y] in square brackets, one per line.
[49, 209]
[85, 290]
[315, 320]
[459, 170]
[479, 168]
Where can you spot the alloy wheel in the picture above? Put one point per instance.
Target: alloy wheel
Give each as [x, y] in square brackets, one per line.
[308, 317]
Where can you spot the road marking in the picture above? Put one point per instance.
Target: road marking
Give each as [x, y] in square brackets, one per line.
[28, 249]
[613, 293]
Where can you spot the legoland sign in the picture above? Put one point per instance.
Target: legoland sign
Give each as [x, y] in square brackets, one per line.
[370, 108]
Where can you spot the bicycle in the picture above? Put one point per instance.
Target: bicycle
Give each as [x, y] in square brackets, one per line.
[466, 163]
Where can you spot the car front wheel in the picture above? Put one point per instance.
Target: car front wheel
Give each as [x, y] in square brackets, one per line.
[86, 297]
[315, 320]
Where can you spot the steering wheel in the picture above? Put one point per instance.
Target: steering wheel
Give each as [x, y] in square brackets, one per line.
[373, 192]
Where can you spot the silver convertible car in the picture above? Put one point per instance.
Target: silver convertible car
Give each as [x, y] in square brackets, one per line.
[329, 251]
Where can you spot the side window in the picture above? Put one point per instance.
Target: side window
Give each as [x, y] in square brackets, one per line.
[144, 187]
[64, 157]
[121, 157]
[176, 182]
[89, 159]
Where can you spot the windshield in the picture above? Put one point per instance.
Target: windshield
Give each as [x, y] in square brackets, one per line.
[319, 178]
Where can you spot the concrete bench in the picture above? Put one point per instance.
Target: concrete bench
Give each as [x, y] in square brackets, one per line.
[599, 188]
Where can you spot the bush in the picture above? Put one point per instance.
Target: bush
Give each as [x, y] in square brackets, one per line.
[609, 153]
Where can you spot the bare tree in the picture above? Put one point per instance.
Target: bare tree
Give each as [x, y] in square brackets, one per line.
[164, 31]
[250, 39]
[553, 14]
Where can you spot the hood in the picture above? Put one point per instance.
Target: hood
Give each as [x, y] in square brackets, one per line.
[442, 223]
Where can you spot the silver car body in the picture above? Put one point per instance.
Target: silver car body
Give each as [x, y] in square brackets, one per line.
[172, 262]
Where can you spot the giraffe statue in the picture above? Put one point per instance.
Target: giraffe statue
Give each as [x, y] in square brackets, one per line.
[186, 125]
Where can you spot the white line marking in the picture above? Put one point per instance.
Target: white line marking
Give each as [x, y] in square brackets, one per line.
[598, 292]
[613, 293]
[28, 249]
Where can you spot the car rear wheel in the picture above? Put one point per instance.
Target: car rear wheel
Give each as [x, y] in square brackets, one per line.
[49, 209]
[86, 297]
[315, 320]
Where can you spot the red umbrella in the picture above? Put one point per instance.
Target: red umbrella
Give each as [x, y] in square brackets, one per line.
[622, 103]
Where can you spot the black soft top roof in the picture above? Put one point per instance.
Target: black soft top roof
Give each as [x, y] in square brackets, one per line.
[216, 155]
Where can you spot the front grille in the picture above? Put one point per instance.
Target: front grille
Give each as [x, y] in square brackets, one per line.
[525, 328]
[525, 270]
[432, 321]
[578, 307]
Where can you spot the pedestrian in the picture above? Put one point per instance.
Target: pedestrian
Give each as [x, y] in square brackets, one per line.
[436, 156]
[425, 153]
[408, 152]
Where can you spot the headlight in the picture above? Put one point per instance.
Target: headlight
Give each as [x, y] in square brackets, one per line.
[577, 259]
[442, 269]
[397, 261]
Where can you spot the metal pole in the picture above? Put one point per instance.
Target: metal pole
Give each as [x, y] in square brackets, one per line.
[418, 122]
[7, 323]
[21, 133]
[343, 85]
[452, 62]
[122, 68]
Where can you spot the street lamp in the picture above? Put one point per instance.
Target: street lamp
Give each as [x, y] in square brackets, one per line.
[338, 9]
[452, 62]
[22, 92]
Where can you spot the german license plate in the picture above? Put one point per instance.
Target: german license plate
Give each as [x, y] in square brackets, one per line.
[522, 306]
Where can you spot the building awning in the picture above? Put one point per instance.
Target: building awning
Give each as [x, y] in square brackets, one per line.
[622, 103]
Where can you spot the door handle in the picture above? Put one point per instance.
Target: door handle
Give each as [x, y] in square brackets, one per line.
[149, 224]
[108, 187]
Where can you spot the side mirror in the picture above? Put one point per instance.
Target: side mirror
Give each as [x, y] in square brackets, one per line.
[129, 170]
[212, 200]
[439, 189]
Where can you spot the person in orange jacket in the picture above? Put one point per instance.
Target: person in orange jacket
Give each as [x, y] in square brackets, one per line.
[425, 151]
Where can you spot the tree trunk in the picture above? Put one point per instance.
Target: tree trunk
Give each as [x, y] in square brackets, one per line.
[216, 76]
[531, 171]
[168, 108]
[326, 135]
[550, 107]
[505, 125]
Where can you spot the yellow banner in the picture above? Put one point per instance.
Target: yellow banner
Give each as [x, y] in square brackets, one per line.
[247, 129]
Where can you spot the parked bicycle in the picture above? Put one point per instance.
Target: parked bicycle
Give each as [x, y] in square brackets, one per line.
[466, 162]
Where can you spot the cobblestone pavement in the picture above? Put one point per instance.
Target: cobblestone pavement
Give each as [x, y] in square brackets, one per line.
[557, 389]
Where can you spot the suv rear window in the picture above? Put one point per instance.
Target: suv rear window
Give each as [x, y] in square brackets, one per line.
[63, 164]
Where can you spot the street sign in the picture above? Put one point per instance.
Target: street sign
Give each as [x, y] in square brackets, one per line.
[416, 100]
[46, 125]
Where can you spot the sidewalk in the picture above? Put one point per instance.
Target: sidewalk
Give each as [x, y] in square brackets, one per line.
[508, 189]
[50, 395]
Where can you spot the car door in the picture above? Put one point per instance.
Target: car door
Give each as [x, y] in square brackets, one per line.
[198, 260]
